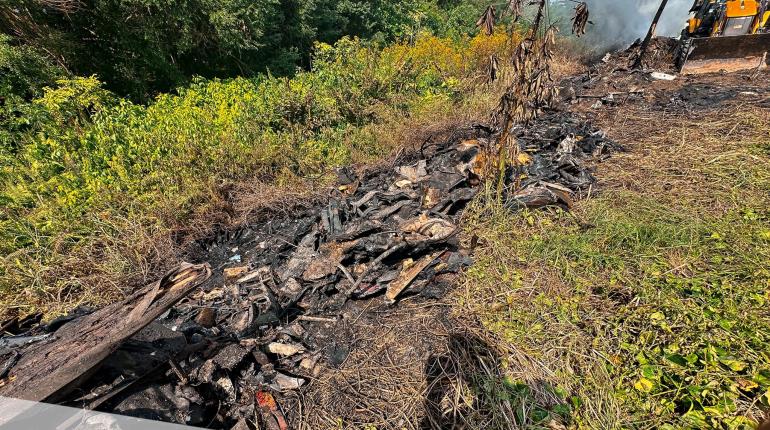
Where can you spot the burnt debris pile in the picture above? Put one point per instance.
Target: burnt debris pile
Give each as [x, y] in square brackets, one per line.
[612, 81]
[661, 54]
[227, 354]
[554, 169]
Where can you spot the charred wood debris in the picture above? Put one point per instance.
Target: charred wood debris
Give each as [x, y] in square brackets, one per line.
[225, 352]
[612, 82]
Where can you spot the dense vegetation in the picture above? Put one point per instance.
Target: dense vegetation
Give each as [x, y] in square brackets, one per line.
[90, 179]
[142, 47]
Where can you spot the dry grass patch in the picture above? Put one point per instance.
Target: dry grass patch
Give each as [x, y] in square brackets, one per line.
[410, 367]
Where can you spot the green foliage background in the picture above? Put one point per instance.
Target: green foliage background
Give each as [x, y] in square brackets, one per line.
[142, 47]
[82, 165]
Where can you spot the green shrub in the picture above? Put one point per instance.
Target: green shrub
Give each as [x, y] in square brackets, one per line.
[23, 74]
[92, 162]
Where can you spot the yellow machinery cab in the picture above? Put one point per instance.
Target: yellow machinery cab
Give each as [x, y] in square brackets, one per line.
[727, 17]
[740, 18]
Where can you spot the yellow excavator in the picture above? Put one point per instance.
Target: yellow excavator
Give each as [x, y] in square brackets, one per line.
[727, 35]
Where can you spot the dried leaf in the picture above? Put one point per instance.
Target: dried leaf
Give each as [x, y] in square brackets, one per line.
[580, 19]
[487, 21]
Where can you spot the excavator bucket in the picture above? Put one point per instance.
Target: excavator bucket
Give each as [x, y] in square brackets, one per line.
[728, 53]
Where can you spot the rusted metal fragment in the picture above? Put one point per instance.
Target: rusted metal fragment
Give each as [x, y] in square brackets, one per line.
[272, 418]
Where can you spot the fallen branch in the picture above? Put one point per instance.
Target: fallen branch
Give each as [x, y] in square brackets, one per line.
[316, 319]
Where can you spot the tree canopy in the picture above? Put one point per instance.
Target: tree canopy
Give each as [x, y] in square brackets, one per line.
[142, 47]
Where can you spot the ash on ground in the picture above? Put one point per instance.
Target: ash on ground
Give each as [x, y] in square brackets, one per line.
[293, 299]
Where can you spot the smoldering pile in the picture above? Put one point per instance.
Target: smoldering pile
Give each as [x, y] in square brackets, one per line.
[660, 55]
[612, 81]
[226, 354]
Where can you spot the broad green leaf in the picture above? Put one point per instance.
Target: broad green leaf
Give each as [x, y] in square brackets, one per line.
[765, 398]
[650, 372]
[762, 377]
[677, 359]
[644, 385]
[739, 422]
[696, 419]
[734, 365]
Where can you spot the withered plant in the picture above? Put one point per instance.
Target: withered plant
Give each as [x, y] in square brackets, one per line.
[514, 8]
[580, 19]
[530, 90]
[487, 20]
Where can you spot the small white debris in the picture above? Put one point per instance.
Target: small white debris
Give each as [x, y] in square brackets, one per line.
[286, 383]
[309, 363]
[568, 145]
[414, 173]
[662, 76]
[226, 385]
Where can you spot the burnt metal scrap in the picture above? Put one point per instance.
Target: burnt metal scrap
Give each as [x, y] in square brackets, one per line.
[229, 355]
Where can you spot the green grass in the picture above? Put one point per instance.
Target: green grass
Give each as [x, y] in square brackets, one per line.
[645, 310]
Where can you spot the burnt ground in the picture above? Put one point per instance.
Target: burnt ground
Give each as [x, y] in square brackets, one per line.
[610, 85]
[305, 308]
[343, 314]
[339, 314]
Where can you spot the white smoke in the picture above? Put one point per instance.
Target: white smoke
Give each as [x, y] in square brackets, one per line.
[618, 23]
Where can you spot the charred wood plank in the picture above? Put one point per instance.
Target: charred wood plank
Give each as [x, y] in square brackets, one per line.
[52, 367]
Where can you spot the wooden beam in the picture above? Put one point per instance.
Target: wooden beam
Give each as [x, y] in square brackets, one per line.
[54, 366]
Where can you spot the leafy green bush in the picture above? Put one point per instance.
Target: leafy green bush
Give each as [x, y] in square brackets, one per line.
[92, 160]
[23, 74]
